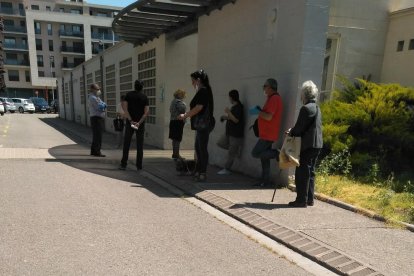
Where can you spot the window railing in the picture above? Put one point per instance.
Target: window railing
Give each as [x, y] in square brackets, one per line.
[69, 33]
[17, 62]
[102, 36]
[72, 49]
[15, 29]
[15, 46]
[67, 65]
[12, 11]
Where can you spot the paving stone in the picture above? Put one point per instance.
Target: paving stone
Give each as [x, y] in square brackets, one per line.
[317, 251]
[329, 256]
[337, 262]
[364, 272]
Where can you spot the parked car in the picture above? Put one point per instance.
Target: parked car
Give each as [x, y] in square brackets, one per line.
[40, 104]
[8, 104]
[54, 106]
[1, 110]
[24, 105]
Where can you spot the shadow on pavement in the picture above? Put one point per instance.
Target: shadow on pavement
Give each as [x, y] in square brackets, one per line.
[74, 156]
[260, 205]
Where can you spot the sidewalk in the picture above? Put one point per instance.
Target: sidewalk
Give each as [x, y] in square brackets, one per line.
[343, 241]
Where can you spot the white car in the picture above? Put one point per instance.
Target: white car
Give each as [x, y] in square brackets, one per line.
[24, 105]
[1, 109]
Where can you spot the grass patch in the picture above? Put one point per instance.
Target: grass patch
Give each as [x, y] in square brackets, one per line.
[383, 201]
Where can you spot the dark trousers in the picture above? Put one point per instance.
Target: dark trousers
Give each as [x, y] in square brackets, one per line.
[201, 143]
[127, 142]
[97, 124]
[305, 175]
[263, 150]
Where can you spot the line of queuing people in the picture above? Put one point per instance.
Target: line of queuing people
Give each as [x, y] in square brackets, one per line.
[135, 108]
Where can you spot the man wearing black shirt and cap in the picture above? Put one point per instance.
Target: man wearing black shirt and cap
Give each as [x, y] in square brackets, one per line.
[136, 109]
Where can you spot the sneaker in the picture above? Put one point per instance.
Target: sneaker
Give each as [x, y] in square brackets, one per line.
[224, 172]
[122, 168]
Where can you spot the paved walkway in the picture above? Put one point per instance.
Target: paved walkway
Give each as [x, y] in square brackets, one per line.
[343, 241]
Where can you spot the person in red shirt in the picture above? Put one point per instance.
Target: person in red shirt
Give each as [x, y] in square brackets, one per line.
[269, 120]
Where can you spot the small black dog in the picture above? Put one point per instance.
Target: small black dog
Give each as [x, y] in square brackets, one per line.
[185, 167]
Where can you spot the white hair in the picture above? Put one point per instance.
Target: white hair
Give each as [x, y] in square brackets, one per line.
[309, 90]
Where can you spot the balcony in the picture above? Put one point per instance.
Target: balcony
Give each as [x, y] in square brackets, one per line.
[16, 62]
[72, 50]
[15, 47]
[15, 29]
[71, 34]
[67, 66]
[99, 36]
[11, 11]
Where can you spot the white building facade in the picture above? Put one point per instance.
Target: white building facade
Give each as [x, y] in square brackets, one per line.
[44, 38]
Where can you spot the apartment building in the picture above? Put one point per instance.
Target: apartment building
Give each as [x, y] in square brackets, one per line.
[45, 38]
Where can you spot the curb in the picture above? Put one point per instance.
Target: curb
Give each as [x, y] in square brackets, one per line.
[317, 251]
[355, 209]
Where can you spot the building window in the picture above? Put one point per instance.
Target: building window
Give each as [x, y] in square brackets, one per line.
[76, 29]
[41, 73]
[39, 44]
[53, 75]
[8, 22]
[23, 23]
[37, 28]
[75, 11]
[48, 8]
[82, 89]
[89, 81]
[52, 61]
[27, 74]
[51, 45]
[13, 75]
[411, 45]
[49, 29]
[101, 14]
[400, 46]
[147, 73]
[35, 7]
[9, 41]
[110, 90]
[40, 61]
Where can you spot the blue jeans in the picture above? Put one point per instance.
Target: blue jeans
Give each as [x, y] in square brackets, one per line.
[263, 150]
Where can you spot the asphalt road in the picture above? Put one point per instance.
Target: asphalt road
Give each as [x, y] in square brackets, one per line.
[81, 216]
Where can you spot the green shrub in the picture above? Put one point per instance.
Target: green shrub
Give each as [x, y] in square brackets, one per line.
[376, 123]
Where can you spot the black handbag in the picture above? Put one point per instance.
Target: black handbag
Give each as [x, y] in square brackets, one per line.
[204, 121]
[118, 124]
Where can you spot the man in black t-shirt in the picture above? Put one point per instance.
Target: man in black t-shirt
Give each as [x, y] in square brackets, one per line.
[233, 138]
[136, 110]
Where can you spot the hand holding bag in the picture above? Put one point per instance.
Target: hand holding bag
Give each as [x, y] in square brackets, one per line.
[290, 152]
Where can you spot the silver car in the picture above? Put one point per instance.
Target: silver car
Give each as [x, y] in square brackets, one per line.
[8, 105]
[24, 105]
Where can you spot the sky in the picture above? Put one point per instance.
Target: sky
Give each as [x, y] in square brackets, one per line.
[118, 3]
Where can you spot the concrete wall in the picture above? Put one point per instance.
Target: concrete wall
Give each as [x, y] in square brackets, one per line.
[180, 62]
[281, 39]
[361, 27]
[175, 60]
[398, 67]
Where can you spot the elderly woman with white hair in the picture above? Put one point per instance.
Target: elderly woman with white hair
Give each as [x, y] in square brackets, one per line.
[309, 127]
